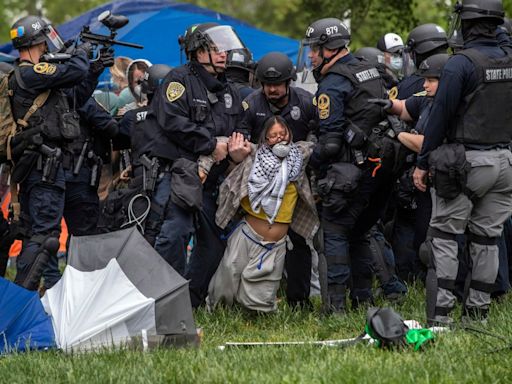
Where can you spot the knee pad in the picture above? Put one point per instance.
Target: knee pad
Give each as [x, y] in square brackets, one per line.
[49, 245]
[425, 253]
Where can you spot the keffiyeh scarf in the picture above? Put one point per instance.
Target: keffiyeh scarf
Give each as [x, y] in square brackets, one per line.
[269, 178]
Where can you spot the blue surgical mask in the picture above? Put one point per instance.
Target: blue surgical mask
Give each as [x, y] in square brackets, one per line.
[396, 63]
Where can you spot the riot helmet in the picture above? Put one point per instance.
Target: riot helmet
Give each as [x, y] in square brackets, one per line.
[240, 58]
[328, 33]
[422, 42]
[153, 77]
[275, 67]
[485, 11]
[373, 55]
[210, 36]
[433, 65]
[33, 30]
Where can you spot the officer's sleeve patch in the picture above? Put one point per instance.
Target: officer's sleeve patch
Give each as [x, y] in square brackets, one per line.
[45, 68]
[324, 106]
[174, 91]
[393, 93]
[245, 105]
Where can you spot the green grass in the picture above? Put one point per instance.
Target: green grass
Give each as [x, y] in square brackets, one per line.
[457, 356]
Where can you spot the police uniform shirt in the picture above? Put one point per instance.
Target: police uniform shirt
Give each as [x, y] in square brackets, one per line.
[458, 79]
[298, 113]
[418, 107]
[409, 86]
[193, 107]
[333, 93]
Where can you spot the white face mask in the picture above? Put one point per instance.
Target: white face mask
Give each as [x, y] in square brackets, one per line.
[281, 149]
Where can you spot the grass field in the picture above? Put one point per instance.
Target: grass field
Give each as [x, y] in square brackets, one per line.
[457, 356]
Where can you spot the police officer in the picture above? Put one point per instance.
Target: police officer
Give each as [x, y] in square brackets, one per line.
[194, 106]
[375, 57]
[151, 147]
[275, 71]
[37, 150]
[423, 41]
[240, 71]
[471, 114]
[345, 120]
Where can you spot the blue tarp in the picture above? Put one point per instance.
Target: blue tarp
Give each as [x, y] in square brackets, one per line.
[156, 24]
[23, 322]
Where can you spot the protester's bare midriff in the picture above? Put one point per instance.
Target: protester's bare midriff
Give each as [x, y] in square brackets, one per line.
[270, 232]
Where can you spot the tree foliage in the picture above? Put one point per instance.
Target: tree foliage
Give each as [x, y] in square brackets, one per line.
[369, 19]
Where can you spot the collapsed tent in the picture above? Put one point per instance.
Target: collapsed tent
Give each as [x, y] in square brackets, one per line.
[156, 24]
[24, 324]
[117, 287]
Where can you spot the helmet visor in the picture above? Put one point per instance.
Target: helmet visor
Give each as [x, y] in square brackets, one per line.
[53, 39]
[408, 66]
[223, 38]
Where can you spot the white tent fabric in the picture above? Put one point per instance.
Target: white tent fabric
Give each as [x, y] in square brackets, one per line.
[98, 308]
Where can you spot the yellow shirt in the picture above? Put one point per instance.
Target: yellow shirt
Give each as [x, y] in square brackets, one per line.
[286, 209]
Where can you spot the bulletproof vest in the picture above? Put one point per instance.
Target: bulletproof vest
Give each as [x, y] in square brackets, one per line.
[367, 83]
[55, 119]
[484, 116]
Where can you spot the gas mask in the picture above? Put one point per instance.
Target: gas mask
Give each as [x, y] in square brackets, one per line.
[281, 149]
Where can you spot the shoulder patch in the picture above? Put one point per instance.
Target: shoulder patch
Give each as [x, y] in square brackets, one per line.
[45, 68]
[174, 91]
[393, 93]
[422, 93]
[324, 106]
[245, 105]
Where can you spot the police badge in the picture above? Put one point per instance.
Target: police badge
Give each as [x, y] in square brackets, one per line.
[295, 113]
[228, 100]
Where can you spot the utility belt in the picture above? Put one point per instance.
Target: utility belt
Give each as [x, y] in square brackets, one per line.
[149, 171]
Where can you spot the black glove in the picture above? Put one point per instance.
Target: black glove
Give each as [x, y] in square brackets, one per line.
[107, 57]
[384, 103]
[86, 47]
[397, 125]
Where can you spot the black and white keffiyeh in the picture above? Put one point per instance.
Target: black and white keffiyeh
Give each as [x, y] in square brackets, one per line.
[269, 178]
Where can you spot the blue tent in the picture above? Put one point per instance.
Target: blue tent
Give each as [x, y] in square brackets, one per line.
[156, 24]
[23, 322]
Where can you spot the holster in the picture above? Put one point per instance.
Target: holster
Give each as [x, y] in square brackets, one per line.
[449, 170]
[339, 185]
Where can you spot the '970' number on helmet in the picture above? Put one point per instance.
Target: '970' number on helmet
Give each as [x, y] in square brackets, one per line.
[331, 30]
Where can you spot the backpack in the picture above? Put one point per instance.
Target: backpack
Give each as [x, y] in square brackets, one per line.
[7, 124]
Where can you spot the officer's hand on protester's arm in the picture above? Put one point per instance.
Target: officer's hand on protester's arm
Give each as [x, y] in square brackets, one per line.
[419, 178]
[221, 151]
[239, 147]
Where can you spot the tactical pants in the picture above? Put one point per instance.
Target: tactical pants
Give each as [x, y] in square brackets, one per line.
[177, 227]
[490, 184]
[42, 207]
[208, 249]
[346, 245]
[81, 212]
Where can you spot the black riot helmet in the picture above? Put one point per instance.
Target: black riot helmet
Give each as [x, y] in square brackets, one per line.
[275, 67]
[241, 59]
[433, 65]
[153, 77]
[427, 38]
[209, 36]
[330, 33]
[485, 10]
[32, 30]
[373, 55]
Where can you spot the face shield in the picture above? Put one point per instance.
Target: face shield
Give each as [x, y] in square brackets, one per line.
[455, 23]
[308, 60]
[53, 39]
[223, 39]
[408, 66]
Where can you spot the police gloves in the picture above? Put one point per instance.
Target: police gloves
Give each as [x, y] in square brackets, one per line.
[384, 103]
[107, 57]
[86, 47]
[398, 126]
[330, 145]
